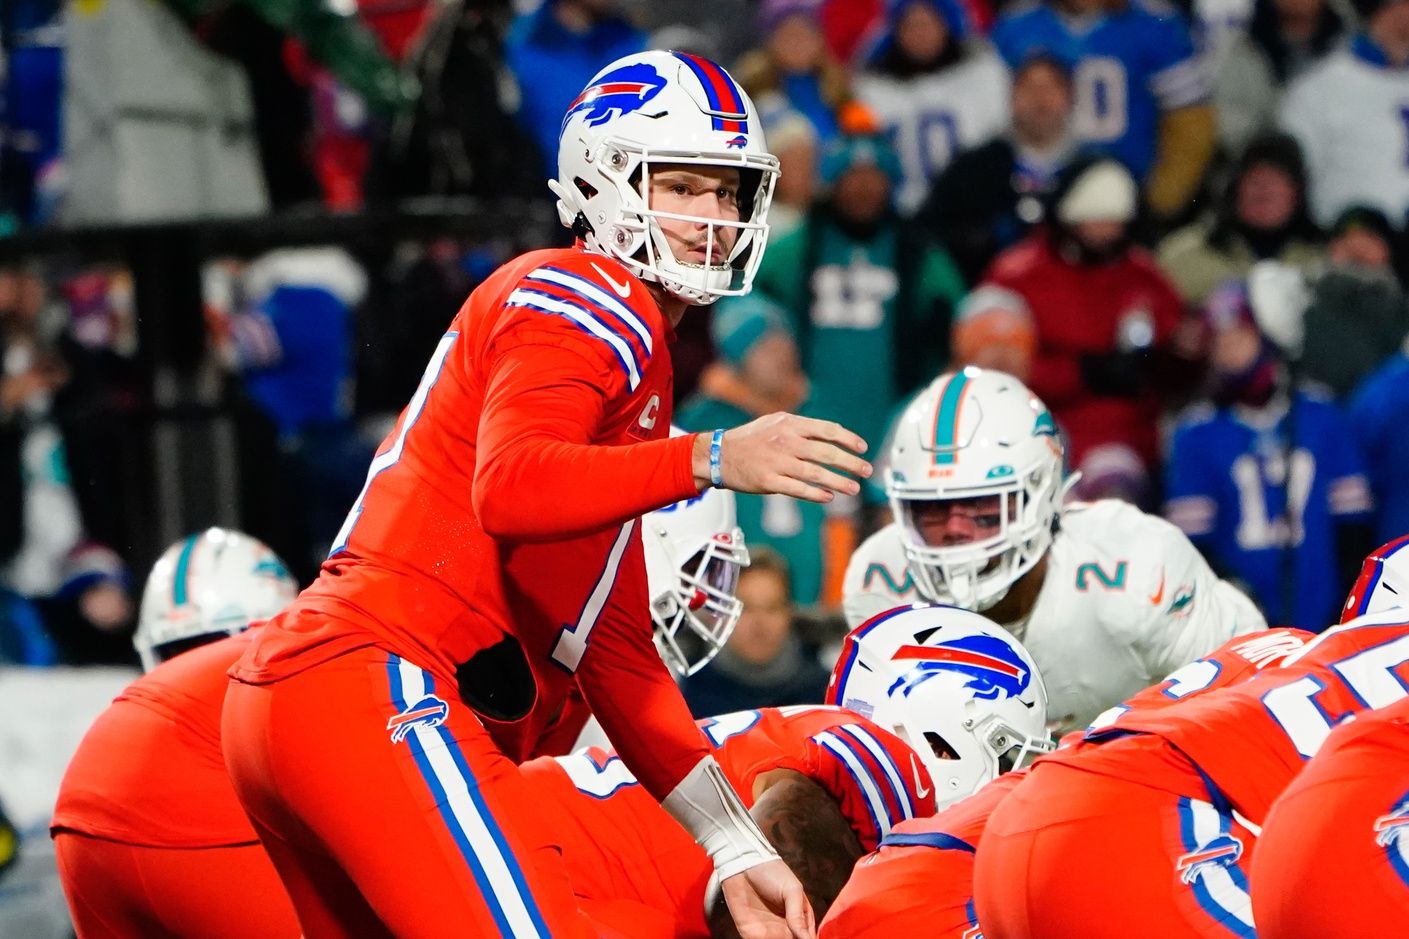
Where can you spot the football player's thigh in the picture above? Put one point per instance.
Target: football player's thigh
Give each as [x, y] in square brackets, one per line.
[215, 893]
[1334, 855]
[377, 777]
[1073, 853]
[103, 888]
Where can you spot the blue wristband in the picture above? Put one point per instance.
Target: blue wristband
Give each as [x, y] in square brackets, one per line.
[715, 478]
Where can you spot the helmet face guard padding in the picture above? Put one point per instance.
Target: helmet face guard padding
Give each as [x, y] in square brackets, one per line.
[694, 554]
[970, 435]
[649, 110]
[1383, 583]
[957, 688]
[206, 587]
[696, 619]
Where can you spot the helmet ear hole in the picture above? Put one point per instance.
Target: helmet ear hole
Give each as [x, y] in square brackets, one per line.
[588, 190]
[942, 749]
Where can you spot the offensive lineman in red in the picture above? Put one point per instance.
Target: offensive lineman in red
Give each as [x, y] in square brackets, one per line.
[922, 877]
[1344, 821]
[494, 554]
[1150, 827]
[617, 842]
[149, 837]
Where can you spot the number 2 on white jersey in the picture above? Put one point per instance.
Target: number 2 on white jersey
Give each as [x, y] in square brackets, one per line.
[392, 453]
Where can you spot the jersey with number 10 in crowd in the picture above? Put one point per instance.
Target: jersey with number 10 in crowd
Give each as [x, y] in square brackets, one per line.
[1251, 739]
[487, 513]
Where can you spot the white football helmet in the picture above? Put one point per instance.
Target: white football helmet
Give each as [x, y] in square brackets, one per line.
[972, 434]
[210, 585]
[655, 108]
[694, 552]
[1383, 583]
[955, 686]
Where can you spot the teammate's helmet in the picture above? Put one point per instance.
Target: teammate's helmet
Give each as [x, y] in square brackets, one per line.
[205, 587]
[1383, 583]
[976, 444]
[961, 691]
[649, 109]
[694, 552]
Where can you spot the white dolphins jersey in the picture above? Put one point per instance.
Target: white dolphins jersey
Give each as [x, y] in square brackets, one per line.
[1126, 600]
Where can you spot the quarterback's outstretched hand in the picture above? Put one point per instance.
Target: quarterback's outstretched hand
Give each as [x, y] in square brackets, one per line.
[768, 902]
[786, 454]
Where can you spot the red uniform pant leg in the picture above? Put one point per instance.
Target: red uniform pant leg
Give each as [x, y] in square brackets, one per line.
[1072, 853]
[120, 890]
[388, 810]
[1333, 859]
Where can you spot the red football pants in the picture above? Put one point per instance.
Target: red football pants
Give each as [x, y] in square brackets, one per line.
[1334, 854]
[387, 810]
[1073, 853]
[117, 891]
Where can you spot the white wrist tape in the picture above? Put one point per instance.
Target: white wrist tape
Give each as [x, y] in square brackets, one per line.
[711, 811]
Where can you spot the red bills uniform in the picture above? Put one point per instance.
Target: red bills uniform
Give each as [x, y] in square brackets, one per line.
[617, 842]
[150, 838]
[1148, 832]
[1333, 858]
[922, 877]
[502, 505]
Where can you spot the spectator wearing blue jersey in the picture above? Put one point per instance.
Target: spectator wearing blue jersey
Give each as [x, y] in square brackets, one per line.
[1265, 480]
[936, 89]
[554, 52]
[291, 339]
[1142, 91]
[1377, 411]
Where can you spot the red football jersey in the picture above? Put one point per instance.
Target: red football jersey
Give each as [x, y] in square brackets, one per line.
[929, 862]
[1250, 739]
[617, 842]
[506, 502]
[149, 771]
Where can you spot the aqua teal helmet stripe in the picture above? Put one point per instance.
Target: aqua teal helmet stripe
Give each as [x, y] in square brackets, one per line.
[183, 571]
[946, 418]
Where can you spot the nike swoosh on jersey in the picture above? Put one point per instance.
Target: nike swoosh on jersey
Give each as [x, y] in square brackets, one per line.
[622, 290]
[920, 789]
[1158, 596]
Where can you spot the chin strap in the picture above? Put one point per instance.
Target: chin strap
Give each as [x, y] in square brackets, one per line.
[712, 812]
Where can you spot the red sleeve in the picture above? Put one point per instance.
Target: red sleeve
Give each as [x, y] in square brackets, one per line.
[633, 695]
[538, 477]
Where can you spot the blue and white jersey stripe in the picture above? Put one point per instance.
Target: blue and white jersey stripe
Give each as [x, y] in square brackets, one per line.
[887, 764]
[593, 294]
[845, 751]
[481, 841]
[585, 319]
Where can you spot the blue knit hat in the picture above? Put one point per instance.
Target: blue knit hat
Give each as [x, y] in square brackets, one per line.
[740, 322]
[859, 150]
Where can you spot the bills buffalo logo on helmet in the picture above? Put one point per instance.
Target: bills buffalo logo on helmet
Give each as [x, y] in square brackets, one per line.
[991, 666]
[617, 93]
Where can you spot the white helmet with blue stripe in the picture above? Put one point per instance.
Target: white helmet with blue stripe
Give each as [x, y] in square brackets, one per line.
[655, 108]
[694, 553]
[205, 587]
[975, 482]
[1383, 583]
[955, 686]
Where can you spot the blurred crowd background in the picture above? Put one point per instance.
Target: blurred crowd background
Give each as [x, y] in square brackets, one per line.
[231, 231]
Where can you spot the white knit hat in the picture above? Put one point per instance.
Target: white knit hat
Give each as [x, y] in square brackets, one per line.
[1105, 192]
